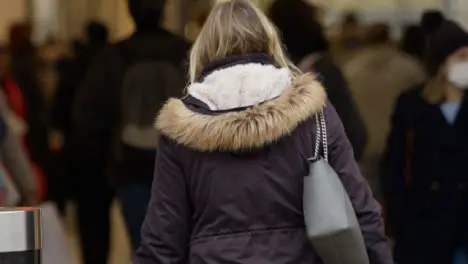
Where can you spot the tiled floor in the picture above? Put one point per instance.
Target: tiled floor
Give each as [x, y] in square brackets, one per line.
[120, 253]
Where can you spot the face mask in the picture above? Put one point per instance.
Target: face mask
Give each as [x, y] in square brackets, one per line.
[458, 75]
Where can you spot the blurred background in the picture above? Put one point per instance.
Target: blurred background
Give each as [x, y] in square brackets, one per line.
[48, 46]
[64, 20]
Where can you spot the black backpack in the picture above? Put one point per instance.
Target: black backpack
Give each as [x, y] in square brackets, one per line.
[146, 86]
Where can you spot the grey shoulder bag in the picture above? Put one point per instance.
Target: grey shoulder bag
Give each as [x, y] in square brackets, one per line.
[331, 222]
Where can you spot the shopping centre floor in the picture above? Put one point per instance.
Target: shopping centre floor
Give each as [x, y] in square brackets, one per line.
[120, 253]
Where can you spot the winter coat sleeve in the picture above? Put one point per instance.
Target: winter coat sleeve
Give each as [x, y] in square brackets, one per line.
[166, 229]
[367, 209]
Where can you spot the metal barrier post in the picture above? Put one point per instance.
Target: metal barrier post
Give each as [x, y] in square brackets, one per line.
[20, 236]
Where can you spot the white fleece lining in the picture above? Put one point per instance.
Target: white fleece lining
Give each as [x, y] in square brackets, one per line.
[241, 86]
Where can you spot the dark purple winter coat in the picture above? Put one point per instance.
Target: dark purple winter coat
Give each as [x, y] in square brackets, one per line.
[229, 171]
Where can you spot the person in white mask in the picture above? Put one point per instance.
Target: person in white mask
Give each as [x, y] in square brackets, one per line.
[425, 170]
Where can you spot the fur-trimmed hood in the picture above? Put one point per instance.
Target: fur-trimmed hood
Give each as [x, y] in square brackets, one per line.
[247, 106]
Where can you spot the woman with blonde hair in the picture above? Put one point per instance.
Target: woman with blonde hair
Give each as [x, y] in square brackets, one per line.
[233, 153]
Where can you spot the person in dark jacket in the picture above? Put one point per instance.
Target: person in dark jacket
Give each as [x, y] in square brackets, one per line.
[425, 170]
[308, 47]
[233, 153]
[71, 72]
[96, 125]
[91, 194]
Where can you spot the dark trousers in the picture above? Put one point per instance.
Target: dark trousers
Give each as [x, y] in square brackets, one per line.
[93, 198]
[134, 193]
[58, 182]
[134, 201]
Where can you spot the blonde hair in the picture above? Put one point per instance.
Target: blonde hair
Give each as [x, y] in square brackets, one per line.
[236, 27]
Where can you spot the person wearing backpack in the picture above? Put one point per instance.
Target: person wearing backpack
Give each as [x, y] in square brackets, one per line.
[114, 112]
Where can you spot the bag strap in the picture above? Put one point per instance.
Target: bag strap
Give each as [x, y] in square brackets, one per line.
[321, 138]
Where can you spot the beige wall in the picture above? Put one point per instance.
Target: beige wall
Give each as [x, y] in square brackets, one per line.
[11, 11]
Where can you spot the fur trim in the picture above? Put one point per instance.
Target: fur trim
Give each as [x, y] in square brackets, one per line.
[241, 85]
[254, 127]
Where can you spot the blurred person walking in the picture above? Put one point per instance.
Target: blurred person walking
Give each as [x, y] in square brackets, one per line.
[13, 157]
[24, 96]
[425, 169]
[112, 122]
[50, 53]
[233, 153]
[351, 38]
[72, 71]
[377, 75]
[307, 45]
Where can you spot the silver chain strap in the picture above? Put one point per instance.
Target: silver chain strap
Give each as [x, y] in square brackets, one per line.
[321, 138]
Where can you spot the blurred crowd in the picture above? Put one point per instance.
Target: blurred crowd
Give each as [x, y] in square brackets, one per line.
[68, 115]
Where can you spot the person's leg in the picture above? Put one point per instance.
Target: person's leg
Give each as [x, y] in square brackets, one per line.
[134, 201]
[93, 204]
[58, 182]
